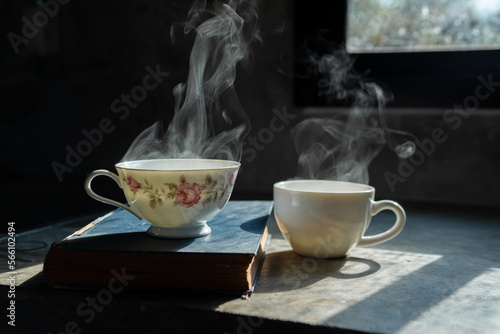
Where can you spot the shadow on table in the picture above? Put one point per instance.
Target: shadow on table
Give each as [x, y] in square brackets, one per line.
[458, 273]
[284, 271]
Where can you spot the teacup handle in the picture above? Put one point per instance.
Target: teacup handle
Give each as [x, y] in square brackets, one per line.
[99, 198]
[390, 233]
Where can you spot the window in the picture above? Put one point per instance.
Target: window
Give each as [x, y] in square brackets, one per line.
[406, 26]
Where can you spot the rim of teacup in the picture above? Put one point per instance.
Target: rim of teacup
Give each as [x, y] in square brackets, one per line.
[357, 187]
[123, 165]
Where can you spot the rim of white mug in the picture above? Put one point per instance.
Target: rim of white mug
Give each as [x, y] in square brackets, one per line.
[367, 187]
[122, 163]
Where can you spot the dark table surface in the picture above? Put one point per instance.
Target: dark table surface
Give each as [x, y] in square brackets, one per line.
[440, 275]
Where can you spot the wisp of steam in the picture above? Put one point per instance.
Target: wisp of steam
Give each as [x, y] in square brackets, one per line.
[342, 148]
[209, 121]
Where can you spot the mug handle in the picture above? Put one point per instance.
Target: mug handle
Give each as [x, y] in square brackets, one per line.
[390, 233]
[92, 194]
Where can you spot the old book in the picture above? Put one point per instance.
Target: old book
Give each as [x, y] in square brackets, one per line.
[115, 249]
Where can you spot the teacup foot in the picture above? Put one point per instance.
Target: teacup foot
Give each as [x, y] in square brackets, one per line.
[179, 232]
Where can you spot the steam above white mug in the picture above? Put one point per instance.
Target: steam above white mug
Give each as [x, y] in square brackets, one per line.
[326, 219]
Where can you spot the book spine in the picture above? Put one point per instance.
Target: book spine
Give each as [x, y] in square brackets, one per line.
[47, 263]
[64, 268]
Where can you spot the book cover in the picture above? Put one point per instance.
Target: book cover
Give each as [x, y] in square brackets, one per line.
[117, 245]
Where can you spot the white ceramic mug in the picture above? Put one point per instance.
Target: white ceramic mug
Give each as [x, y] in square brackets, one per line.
[177, 196]
[326, 219]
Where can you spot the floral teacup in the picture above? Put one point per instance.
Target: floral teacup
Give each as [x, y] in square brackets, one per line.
[177, 196]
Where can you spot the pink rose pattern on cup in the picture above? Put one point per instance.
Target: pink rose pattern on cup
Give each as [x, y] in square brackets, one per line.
[133, 184]
[184, 194]
[187, 195]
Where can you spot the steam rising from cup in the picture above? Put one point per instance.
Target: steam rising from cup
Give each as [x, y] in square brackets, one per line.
[342, 148]
[209, 121]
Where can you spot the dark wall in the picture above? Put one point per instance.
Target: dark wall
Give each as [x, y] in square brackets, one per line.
[59, 88]
[60, 83]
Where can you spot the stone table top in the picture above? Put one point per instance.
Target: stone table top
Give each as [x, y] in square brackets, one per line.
[440, 275]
